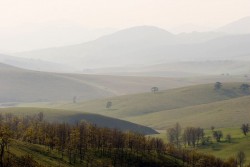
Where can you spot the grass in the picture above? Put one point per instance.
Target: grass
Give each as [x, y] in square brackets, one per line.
[18, 85]
[40, 153]
[198, 105]
[223, 149]
[226, 113]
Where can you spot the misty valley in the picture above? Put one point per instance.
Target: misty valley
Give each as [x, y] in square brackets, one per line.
[78, 87]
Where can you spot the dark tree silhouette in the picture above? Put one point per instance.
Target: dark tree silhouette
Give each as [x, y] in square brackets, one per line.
[245, 128]
[244, 87]
[109, 104]
[74, 99]
[241, 158]
[217, 135]
[217, 85]
[154, 89]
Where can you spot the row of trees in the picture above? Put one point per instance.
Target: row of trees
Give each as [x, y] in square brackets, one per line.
[83, 143]
[191, 136]
[195, 136]
[243, 87]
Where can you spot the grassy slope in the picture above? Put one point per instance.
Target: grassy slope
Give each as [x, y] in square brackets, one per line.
[18, 85]
[196, 105]
[39, 153]
[226, 113]
[223, 149]
[52, 158]
[59, 115]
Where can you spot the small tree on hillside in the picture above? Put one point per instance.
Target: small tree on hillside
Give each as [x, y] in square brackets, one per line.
[244, 87]
[245, 128]
[174, 134]
[217, 135]
[241, 158]
[229, 138]
[217, 85]
[74, 99]
[154, 89]
[109, 104]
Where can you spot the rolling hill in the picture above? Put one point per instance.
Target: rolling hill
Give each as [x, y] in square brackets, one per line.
[180, 69]
[150, 44]
[35, 64]
[196, 105]
[19, 85]
[72, 117]
[222, 114]
[241, 26]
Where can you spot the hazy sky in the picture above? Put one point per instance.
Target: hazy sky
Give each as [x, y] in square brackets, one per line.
[33, 24]
[123, 13]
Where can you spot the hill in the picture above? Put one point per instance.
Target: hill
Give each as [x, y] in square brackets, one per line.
[241, 26]
[150, 44]
[72, 117]
[19, 85]
[180, 69]
[159, 110]
[221, 114]
[35, 64]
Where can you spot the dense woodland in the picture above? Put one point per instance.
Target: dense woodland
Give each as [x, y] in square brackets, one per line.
[90, 145]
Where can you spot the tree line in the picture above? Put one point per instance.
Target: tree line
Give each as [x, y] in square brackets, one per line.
[191, 137]
[89, 145]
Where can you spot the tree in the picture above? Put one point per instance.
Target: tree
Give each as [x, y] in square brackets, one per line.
[192, 136]
[40, 116]
[244, 87]
[174, 134]
[154, 89]
[217, 135]
[245, 128]
[5, 135]
[241, 158]
[74, 99]
[229, 138]
[217, 85]
[109, 104]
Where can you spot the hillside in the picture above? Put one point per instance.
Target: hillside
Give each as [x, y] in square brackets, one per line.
[226, 113]
[162, 109]
[241, 26]
[150, 44]
[72, 117]
[180, 69]
[19, 85]
[35, 64]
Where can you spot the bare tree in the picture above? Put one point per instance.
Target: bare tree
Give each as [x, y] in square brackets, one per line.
[154, 89]
[241, 158]
[174, 134]
[217, 135]
[74, 99]
[245, 128]
[109, 104]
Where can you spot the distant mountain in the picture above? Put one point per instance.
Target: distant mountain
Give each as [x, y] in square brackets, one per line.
[241, 26]
[146, 45]
[180, 69]
[126, 47]
[35, 64]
